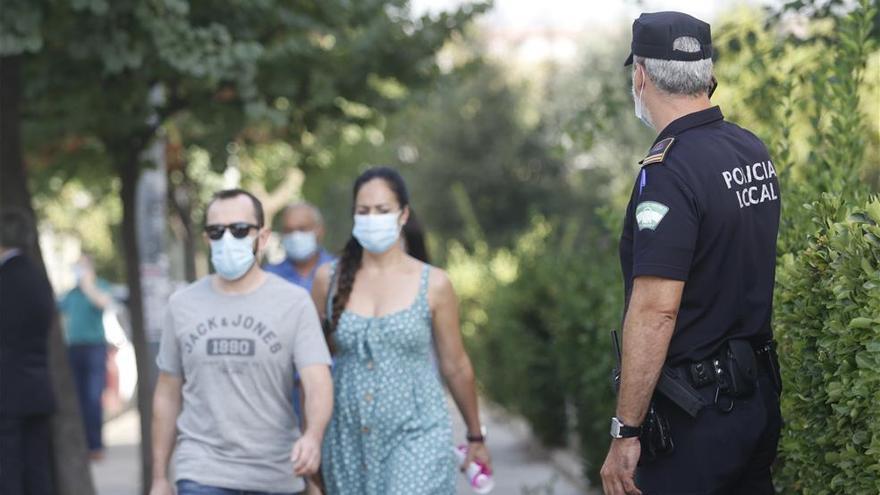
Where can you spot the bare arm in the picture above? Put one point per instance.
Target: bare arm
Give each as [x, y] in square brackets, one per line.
[166, 408]
[320, 286]
[317, 388]
[648, 327]
[455, 365]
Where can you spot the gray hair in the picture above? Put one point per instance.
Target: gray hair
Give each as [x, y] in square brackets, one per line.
[679, 77]
[319, 218]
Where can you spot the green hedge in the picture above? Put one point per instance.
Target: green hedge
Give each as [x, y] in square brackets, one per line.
[827, 315]
[537, 323]
[828, 325]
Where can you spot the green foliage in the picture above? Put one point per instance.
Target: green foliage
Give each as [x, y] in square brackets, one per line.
[588, 115]
[828, 327]
[476, 170]
[280, 67]
[537, 320]
[527, 382]
[73, 211]
[19, 27]
[264, 75]
[475, 141]
[804, 91]
[827, 297]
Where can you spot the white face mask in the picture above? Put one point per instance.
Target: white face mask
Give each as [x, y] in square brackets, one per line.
[377, 233]
[232, 257]
[300, 246]
[640, 108]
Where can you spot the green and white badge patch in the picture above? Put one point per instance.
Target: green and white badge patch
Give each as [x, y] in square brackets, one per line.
[649, 214]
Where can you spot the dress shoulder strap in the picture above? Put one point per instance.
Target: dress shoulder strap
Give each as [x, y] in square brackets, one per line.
[423, 285]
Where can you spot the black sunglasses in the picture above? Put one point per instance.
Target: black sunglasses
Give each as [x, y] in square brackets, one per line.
[239, 230]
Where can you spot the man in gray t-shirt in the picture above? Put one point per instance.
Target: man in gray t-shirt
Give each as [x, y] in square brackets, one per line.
[229, 348]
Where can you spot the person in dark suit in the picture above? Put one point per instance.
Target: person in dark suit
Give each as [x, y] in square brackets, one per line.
[27, 311]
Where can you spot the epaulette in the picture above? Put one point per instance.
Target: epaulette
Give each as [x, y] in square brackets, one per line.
[658, 152]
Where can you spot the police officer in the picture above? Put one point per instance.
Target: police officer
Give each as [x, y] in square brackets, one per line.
[698, 253]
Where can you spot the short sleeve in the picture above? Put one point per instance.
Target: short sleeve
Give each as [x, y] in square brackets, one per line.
[309, 344]
[64, 303]
[168, 359]
[666, 225]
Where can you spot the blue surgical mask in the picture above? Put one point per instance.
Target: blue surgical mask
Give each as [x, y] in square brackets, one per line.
[300, 246]
[232, 257]
[377, 233]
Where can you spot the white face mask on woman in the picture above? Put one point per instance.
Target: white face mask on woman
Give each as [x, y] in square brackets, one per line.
[377, 233]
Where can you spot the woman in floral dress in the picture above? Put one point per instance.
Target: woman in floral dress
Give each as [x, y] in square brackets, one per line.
[386, 311]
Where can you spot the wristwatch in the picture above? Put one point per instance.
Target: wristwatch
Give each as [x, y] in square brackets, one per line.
[481, 438]
[620, 430]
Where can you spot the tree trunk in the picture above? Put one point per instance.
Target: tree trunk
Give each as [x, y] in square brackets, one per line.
[69, 452]
[128, 166]
[13, 177]
[181, 197]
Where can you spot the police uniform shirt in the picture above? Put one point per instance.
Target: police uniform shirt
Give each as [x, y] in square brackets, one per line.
[705, 210]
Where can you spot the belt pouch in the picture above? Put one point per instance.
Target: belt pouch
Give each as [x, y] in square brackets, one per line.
[742, 368]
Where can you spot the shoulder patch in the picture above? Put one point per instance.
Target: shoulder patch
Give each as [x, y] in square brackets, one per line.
[649, 214]
[658, 152]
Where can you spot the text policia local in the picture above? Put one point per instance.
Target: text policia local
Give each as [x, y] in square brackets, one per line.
[752, 183]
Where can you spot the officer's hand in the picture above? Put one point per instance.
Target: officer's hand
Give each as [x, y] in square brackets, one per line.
[619, 469]
[306, 456]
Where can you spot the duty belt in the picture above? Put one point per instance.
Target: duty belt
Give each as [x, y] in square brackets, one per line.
[733, 371]
[711, 371]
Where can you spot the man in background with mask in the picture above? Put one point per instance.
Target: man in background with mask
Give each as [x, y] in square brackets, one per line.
[698, 254]
[83, 308]
[302, 235]
[302, 230]
[227, 357]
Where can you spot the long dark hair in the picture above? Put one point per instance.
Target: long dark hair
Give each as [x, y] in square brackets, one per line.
[352, 253]
[414, 238]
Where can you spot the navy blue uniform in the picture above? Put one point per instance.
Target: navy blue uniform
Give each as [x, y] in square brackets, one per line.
[705, 210]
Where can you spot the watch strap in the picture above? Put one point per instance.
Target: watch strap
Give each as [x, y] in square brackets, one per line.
[630, 431]
[475, 438]
[623, 430]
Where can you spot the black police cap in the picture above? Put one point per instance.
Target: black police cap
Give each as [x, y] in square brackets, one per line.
[654, 34]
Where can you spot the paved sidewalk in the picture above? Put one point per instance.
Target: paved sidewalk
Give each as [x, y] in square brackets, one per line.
[521, 467]
[119, 472]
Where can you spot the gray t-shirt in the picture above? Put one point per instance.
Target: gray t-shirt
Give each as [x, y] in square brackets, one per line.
[236, 355]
